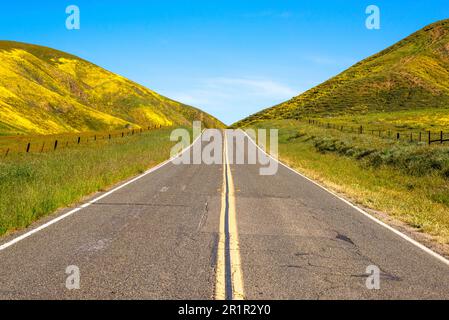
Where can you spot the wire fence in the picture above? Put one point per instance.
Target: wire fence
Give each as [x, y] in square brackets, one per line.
[42, 144]
[427, 137]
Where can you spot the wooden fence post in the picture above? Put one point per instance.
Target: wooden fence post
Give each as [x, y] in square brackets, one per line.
[361, 129]
[7, 151]
[79, 140]
[398, 136]
[28, 147]
[56, 144]
[420, 136]
[43, 146]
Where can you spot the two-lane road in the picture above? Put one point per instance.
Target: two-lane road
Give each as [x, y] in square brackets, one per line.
[218, 231]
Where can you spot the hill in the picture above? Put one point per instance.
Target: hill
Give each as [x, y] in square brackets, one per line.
[46, 91]
[413, 74]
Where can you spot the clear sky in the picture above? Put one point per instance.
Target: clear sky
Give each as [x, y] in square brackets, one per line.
[229, 57]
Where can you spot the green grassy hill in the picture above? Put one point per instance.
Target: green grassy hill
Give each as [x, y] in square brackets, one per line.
[45, 91]
[411, 75]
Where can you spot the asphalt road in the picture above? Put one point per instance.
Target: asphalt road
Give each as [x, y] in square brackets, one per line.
[218, 231]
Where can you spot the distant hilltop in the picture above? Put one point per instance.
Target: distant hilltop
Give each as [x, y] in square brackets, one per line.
[412, 74]
[45, 91]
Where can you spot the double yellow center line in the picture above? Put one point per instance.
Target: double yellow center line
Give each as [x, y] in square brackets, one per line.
[229, 280]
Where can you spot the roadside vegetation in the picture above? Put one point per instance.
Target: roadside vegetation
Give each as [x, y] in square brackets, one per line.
[409, 181]
[426, 119]
[33, 185]
[10, 145]
[399, 94]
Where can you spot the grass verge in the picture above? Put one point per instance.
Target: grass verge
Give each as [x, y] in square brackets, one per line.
[409, 182]
[36, 184]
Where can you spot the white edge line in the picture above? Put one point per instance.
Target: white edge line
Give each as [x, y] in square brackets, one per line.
[87, 204]
[383, 224]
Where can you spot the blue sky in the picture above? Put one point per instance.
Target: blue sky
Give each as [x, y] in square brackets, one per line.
[228, 57]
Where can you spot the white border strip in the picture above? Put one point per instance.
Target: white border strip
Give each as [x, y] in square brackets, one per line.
[383, 224]
[87, 204]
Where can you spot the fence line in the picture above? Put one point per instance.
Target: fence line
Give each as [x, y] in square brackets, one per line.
[58, 143]
[411, 136]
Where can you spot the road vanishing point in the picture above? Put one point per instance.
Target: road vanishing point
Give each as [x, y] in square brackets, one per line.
[217, 232]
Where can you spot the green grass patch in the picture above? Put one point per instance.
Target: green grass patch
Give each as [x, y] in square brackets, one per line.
[407, 181]
[36, 184]
[419, 120]
[46, 143]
